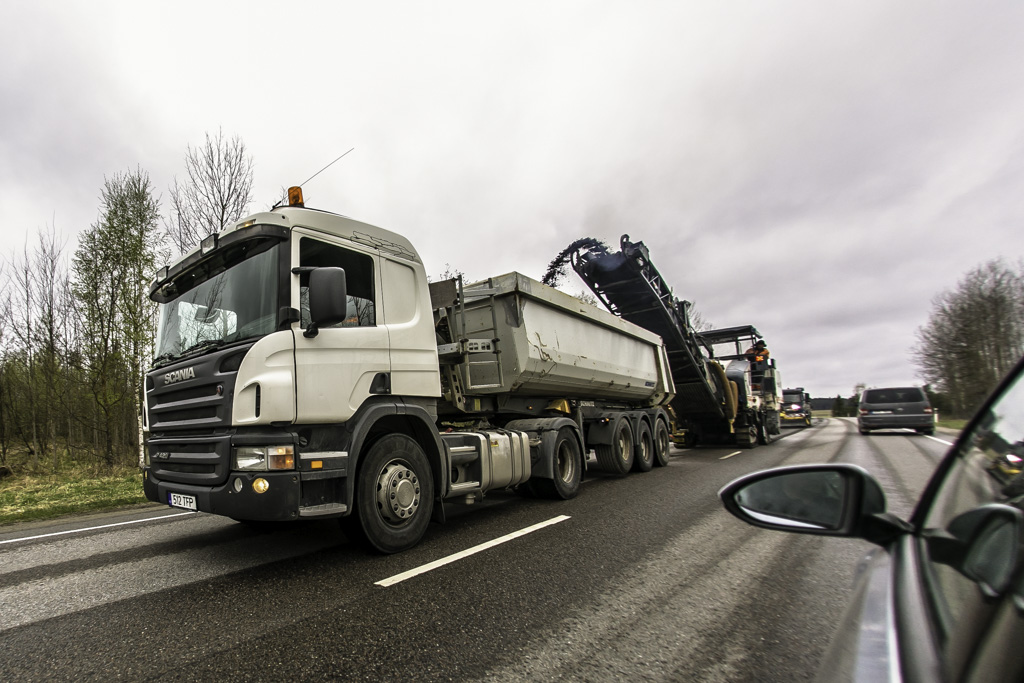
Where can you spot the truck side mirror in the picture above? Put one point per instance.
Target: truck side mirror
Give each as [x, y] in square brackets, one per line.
[328, 298]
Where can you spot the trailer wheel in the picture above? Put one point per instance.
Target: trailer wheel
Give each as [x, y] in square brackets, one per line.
[643, 458]
[662, 443]
[617, 458]
[568, 469]
[394, 495]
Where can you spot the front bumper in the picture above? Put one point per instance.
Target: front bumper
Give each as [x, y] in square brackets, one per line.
[279, 503]
[795, 420]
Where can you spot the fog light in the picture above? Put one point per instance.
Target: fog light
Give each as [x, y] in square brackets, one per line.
[260, 485]
[238, 485]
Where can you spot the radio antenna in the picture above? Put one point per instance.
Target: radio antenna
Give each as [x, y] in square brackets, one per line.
[310, 178]
[323, 169]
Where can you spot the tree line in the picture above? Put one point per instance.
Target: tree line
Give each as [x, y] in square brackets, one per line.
[973, 338]
[77, 330]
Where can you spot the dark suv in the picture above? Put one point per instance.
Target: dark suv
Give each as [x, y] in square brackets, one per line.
[895, 408]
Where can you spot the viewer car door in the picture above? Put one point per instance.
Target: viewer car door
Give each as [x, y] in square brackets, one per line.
[971, 533]
[335, 370]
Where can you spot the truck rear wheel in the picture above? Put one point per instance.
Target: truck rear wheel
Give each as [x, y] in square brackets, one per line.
[643, 458]
[568, 469]
[617, 457]
[662, 441]
[394, 495]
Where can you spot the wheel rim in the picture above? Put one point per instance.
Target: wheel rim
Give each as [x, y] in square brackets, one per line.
[565, 462]
[398, 492]
[625, 444]
[647, 448]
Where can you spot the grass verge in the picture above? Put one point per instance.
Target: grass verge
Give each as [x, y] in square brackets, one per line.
[26, 498]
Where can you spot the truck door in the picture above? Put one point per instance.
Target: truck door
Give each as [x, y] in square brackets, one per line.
[341, 366]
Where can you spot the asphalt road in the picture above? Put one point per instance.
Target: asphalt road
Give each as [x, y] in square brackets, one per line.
[641, 578]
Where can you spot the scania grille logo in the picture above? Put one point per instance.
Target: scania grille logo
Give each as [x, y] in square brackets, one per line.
[179, 375]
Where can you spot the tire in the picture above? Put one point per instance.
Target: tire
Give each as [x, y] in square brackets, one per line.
[643, 449]
[864, 431]
[746, 437]
[764, 436]
[927, 431]
[395, 521]
[568, 469]
[662, 443]
[617, 458]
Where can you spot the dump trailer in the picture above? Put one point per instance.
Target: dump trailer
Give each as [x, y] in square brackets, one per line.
[725, 399]
[305, 368]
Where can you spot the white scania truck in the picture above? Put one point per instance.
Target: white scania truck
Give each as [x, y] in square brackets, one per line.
[305, 368]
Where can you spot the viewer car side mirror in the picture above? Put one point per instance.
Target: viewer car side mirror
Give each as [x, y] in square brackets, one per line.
[825, 500]
[985, 544]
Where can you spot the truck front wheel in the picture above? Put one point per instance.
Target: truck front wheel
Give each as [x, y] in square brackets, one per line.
[394, 495]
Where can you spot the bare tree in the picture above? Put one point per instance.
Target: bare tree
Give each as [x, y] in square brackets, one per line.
[974, 335]
[218, 190]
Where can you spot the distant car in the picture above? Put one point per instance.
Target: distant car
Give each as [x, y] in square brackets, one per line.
[796, 408]
[895, 408]
[942, 598]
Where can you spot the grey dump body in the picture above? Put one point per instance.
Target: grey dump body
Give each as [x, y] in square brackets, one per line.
[512, 336]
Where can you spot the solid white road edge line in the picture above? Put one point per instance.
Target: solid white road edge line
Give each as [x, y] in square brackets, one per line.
[730, 455]
[430, 566]
[935, 438]
[93, 528]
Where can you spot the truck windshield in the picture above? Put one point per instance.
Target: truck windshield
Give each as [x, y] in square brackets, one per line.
[223, 301]
[788, 397]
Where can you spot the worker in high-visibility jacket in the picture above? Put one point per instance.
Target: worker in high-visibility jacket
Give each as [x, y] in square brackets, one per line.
[758, 352]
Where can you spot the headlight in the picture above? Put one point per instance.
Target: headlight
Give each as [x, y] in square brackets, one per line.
[264, 458]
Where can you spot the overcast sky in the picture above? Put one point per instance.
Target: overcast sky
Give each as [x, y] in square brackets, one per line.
[820, 170]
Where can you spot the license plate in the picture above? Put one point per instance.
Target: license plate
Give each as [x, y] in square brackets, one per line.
[881, 412]
[180, 500]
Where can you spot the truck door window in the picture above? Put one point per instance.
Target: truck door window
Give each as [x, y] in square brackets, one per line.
[358, 280]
